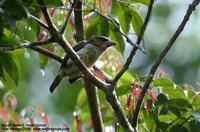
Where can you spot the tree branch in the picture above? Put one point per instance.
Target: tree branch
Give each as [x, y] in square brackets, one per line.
[46, 15]
[139, 39]
[40, 22]
[114, 22]
[46, 53]
[68, 16]
[93, 101]
[160, 58]
[79, 35]
[111, 97]
[91, 90]
[34, 46]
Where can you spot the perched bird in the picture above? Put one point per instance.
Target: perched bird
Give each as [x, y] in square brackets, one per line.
[89, 52]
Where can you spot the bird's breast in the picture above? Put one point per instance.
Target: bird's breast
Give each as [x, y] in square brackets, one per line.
[90, 54]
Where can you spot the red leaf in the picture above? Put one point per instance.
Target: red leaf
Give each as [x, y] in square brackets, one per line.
[4, 115]
[43, 115]
[131, 108]
[79, 124]
[134, 89]
[147, 109]
[90, 122]
[71, 22]
[10, 100]
[153, 96]
[99, 74]
[42, 35]
[129, 100]
[13, 102]
[138, 94]
[109, 3]
[52, 12]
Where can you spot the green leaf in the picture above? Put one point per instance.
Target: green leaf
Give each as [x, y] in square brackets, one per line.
[174, 92]
[163, 125]
[196, 115]
[92, 29]
[116, 36]
[99, 26]
[8, 40]
[127, 78]
[146, 2]
[164, 110]
[103, 27]
[196, 102]
[34, 26]
[124, 89]
[115, 9]
[124, 17]
[149, 120]
[190, 95]
[161, 99]
[167, 117]
[178, 128]
[26, 32]
[10, 66]
[1, 71]
[163, 82]
[136, 21]
[16, 9]
[175, 111]
[1, 26]
[54, 3]
[81, 100]
[43, 61]
[179, 103]
[10, 21]
[194, 126]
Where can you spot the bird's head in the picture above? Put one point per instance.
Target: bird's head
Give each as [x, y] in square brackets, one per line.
[102, 42]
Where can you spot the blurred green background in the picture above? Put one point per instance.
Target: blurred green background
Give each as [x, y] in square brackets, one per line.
[182, 64]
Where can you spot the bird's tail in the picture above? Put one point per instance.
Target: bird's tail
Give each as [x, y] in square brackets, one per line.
[55, 83]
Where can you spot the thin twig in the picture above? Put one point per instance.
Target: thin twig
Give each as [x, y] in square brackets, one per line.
[40, 22]
[58, 8]
[118, 28]
[34, 46]
[7, 47]
[139, 39]
[46, 15]
[37, 43]
[68, 16]
[46, 53]
[160, 58]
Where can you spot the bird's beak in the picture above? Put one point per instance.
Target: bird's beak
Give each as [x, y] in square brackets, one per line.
[110, 43]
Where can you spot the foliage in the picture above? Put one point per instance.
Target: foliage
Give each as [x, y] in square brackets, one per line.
[166, 106]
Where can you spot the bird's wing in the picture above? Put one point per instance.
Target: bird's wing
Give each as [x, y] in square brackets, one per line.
[67, 61]
[79, 45]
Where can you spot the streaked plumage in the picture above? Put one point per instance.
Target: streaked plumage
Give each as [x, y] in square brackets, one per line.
[89, 52]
